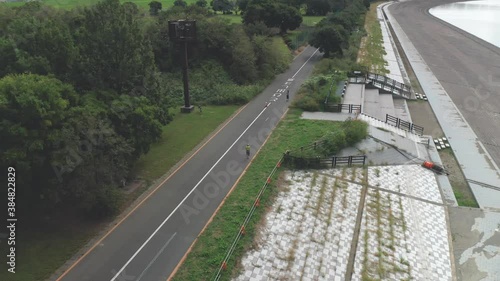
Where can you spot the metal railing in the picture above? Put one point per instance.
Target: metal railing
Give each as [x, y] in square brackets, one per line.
[342, 107]
[381, 82]
[404, 125]
[322, 162]
[389, 82]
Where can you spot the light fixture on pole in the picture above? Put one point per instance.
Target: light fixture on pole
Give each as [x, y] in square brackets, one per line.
[183, 31]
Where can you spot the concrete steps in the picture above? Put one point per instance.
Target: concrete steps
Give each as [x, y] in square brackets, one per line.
[386, 106]
[371, 103]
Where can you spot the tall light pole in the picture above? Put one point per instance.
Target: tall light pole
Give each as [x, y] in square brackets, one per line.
[183, 31]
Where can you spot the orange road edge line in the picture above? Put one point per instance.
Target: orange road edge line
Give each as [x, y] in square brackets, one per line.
[220, 205]
[146, 198]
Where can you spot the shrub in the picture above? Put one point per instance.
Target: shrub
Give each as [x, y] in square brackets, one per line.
[307, 103]
[334, 142]
[355, 130]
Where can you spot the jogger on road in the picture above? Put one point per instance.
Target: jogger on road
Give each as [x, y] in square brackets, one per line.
[247, 148]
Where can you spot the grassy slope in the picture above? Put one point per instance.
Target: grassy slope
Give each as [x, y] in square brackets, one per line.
[174, 145]
[371, 52]
[209, 251]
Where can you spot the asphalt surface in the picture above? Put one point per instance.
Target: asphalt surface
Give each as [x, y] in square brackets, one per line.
[149, 244]
[467, 67]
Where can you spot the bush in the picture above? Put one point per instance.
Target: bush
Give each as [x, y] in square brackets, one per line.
[272, 56]
[322, 80]
[355, 130]
[234, 94]
[297, 38]
[306, 102]
[334, 142]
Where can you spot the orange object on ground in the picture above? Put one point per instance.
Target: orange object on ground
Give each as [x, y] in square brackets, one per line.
[428, 165]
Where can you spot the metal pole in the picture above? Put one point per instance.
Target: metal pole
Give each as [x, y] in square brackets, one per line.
[185, 78]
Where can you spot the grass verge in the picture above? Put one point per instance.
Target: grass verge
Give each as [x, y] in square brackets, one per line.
[208, 252]
[371, 52]
[311, 20]
[232, 18]
[464, 201]
[178, 138]
[46, 244]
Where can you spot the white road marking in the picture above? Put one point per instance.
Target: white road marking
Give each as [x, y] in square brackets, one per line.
[194, 188]
[158, 254]
[182, 202]
[305, 63]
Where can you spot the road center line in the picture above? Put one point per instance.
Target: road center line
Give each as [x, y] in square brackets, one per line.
[157, 255]
[182, 202]
[194, 188]
[305, 63]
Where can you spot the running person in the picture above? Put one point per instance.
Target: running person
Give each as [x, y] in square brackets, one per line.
[247, 148]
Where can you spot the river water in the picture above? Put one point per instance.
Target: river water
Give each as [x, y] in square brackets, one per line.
[480, 18]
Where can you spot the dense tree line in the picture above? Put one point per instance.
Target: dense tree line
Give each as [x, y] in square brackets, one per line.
[332, 34]
[85, 92]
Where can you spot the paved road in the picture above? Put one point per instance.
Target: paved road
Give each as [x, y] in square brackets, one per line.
[467, 67]
[151, 241]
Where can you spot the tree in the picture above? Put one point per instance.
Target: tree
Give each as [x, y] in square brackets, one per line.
[290, 18]
[318, 7]
[154, 8]
[33, 110]
[137, 122]
[242, 5]
[329, 39]
[273, 15]
[8, 57]
[43, 45]
[180, 3]
[224, 6]
[201, 3]
[114, 53]
[242, 68]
